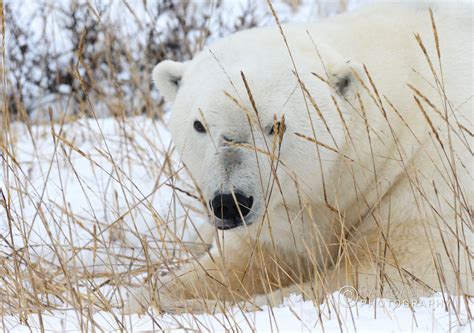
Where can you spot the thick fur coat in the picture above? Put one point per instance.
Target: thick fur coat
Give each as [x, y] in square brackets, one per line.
[352, 137]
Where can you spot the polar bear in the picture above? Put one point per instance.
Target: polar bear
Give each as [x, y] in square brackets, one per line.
[328, 155]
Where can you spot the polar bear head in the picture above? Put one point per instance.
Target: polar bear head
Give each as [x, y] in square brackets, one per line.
[253, 133]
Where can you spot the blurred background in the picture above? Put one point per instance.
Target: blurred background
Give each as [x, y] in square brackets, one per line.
[95, 57]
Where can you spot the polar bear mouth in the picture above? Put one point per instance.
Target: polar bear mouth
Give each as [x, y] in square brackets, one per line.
[231, 210]
[229, 224]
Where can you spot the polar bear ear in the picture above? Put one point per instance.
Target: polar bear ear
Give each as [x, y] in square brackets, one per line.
[342, 78]
[167, 77]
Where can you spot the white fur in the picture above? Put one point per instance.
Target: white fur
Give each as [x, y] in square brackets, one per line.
[167, 76]
[390, 180]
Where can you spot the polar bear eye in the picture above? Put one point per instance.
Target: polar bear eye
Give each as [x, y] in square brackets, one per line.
[199, 127]
[276, 128]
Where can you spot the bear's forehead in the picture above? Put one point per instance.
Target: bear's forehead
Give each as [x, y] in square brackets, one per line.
[219, 84]
[238, 85]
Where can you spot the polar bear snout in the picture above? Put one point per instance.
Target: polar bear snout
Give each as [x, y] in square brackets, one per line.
[230, 209]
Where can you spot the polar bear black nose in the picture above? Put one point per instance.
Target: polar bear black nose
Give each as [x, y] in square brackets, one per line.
[226, 207]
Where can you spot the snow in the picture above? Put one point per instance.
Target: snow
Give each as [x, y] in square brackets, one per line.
[103, 164]
[108, 170]
[295, 315]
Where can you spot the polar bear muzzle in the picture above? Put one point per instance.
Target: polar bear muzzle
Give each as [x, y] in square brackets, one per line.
[230, 209]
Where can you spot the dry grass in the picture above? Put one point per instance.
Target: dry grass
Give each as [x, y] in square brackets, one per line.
[84, 263]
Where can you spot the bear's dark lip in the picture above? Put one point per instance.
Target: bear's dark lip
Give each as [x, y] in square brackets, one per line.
[230, 224]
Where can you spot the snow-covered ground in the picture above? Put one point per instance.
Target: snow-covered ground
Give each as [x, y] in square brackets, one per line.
[93, 174]
[295, 315]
